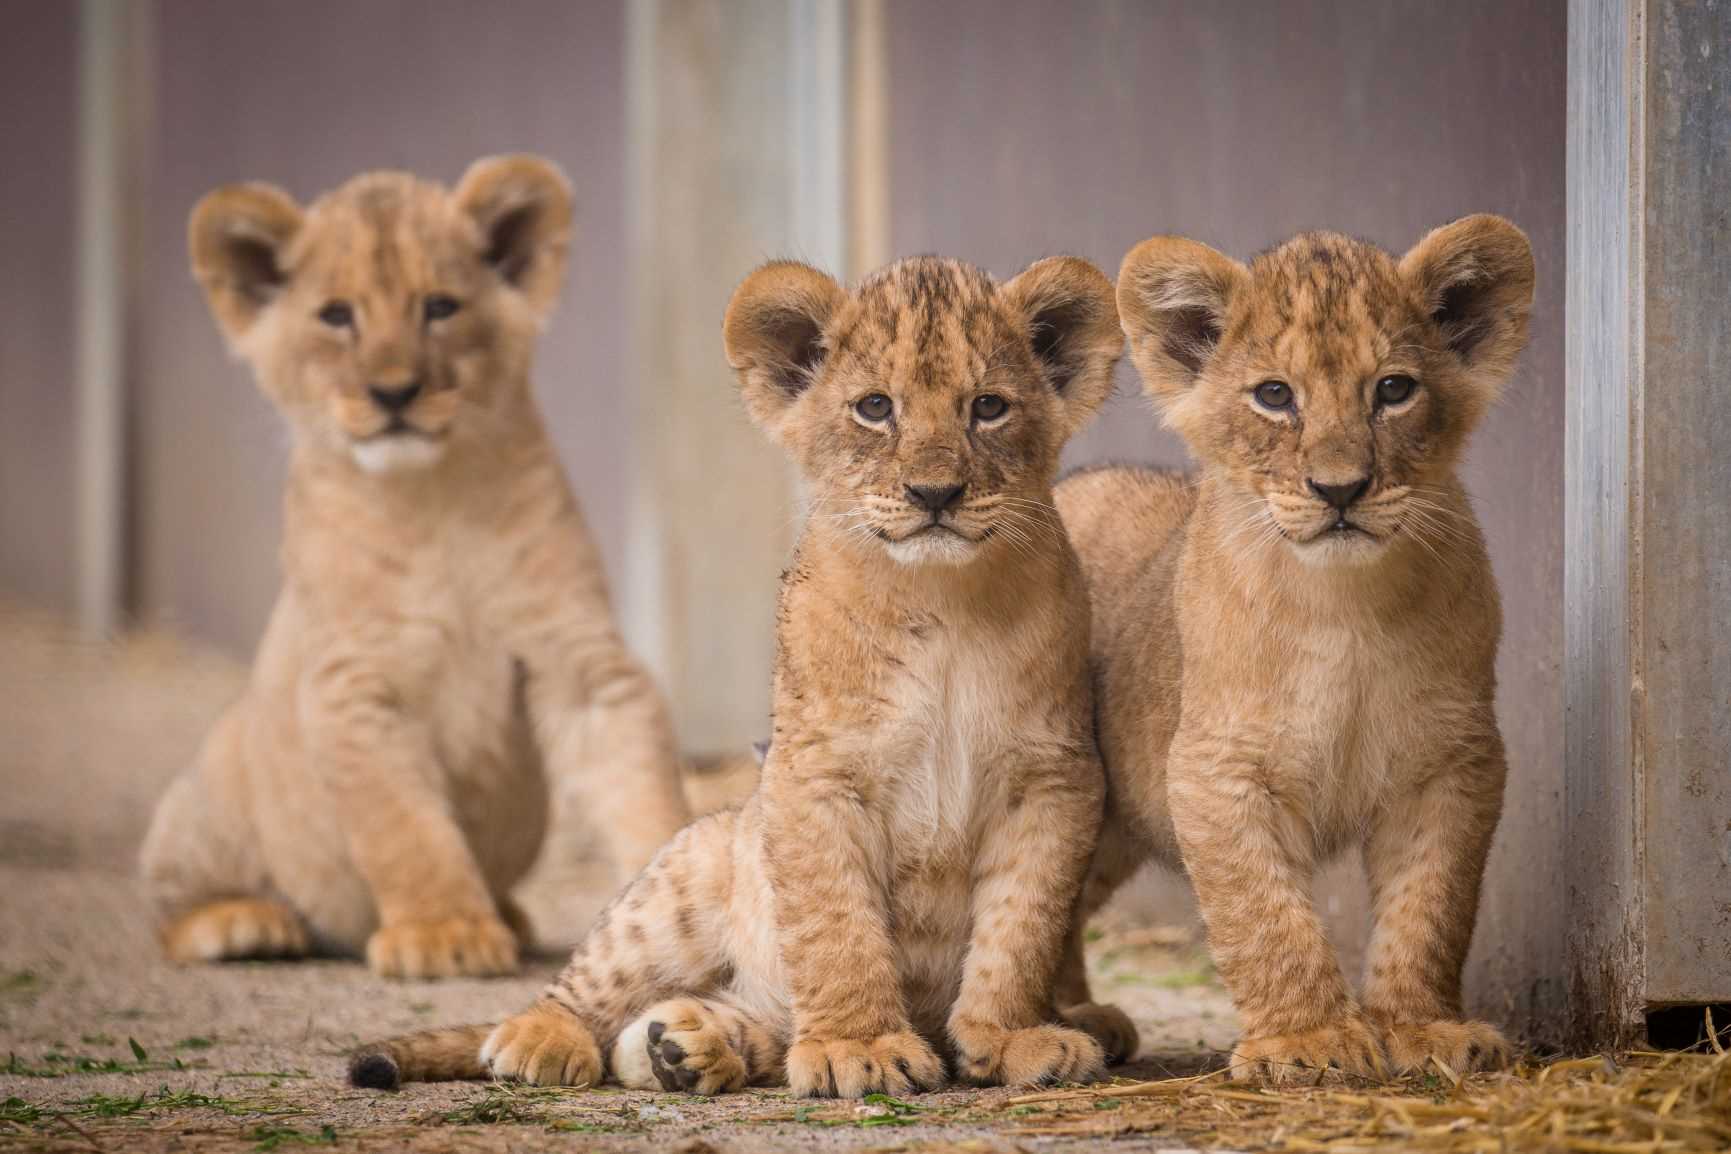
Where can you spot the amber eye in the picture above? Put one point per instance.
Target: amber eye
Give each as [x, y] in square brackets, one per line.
[874, 407]
[1393, 390]
[989, 407]
[1274, 395]
[439, 307]
[337, 314]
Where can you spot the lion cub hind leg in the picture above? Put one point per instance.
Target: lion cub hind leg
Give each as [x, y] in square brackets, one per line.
[235, 928]
[1107, 1025]
[697, 1045]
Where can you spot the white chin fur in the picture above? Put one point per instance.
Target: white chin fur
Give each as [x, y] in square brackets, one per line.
[1343, 549]
[389, 454]
[932, 547]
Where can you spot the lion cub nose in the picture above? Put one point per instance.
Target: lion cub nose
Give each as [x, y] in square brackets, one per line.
[1340, 494]
[394, 398]
[934, 498]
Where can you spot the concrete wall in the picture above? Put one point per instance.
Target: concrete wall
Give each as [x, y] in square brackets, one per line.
[306, 94]
[38, 207]
[1019, 129]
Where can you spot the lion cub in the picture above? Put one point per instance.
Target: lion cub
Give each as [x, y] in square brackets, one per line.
[902, 881]
[443, 636]
[1297, 651]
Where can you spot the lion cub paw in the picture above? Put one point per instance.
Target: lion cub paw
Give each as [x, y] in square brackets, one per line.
[897, 1063]
[688, 1049]
[544, 1046]
[238, 928]
[1107, 1025]
[1345, 1047]
[1036, 1055]
[1461, 1046]
[451, 948]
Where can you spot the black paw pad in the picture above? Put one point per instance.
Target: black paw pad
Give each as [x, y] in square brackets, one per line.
[665, 1059]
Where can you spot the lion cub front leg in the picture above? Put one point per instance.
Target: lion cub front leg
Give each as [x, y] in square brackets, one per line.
[1027, 878]
[1250, 856]
[851, 1034]
[1426, 859]
[436, 916]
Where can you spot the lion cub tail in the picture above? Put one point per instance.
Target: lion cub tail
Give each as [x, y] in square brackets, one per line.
[429, 1056]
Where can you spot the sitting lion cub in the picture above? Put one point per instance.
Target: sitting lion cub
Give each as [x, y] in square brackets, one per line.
[1297, 652]
[443, 635]
[903, 879]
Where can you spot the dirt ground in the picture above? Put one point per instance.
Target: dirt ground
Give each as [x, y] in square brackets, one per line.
[109, 1048]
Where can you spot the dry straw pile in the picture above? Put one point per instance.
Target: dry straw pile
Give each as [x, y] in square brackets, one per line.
[1636, 1103]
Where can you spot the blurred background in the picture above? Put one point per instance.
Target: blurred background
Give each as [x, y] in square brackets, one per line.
[140, 471]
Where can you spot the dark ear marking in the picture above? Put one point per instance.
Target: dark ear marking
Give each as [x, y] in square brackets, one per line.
[775, 335]
[1191, 337]
[235, 240]
[1071, 316]
[522, 207]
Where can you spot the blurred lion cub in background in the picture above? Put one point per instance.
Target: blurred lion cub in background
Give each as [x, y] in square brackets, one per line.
[443, 635]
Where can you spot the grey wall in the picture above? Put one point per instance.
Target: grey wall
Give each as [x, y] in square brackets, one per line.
[38, 141]
[1020, 129]
[306, 94]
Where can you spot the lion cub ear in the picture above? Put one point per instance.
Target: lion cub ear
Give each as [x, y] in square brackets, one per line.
[522, 206]
[235, 238]
[1072, 320]
[1174, 295]
[774, 335]
[1474, 278]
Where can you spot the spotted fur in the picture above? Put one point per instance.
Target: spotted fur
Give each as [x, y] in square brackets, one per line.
[1282, 678]
[901, 884]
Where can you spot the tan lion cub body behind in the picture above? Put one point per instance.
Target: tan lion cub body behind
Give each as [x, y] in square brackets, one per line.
[902, 882]
[442, 642]
[1297, 652]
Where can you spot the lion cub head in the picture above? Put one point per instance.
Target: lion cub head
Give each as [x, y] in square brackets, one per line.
[1330, 383]
[927, 407]
[391, 318]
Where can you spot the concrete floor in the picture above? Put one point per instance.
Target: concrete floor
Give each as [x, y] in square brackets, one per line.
[110, 1048]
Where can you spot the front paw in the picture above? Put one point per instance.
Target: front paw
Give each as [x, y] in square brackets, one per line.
[899, 1063]
[453, 947]
[1107, 1025]
[1345, 1046]
[544, 1046]
[1035, 1055]
[1461, 1046]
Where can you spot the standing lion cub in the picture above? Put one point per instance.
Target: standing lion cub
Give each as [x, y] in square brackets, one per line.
[902, 882]
[443, 638]
[1297, 652]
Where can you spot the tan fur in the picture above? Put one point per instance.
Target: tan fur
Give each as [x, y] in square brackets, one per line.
[902, 881]
[1273, 691]
[443, 640]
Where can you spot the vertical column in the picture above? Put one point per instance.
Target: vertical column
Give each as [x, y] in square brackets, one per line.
[736, 125]
[1647, 590]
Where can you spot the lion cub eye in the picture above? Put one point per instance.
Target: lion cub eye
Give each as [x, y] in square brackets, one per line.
[438, 307]
[1393, 390]
[1274, 395]
[874, 407]
[337, 314]
[989, 407]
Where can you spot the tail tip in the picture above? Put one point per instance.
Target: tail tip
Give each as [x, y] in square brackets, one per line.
[373, 1070]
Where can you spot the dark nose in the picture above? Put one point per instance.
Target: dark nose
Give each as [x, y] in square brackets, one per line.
[394, 398]
[1343, 494]
[934, 498]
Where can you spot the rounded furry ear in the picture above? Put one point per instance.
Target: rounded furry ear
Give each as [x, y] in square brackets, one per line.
[235, 239]
[522, 206]
[774, 334]
[1072, 319]
[1474, 278]
[1173, 295]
